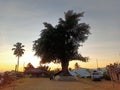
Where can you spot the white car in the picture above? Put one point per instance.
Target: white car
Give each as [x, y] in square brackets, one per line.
[96, 76]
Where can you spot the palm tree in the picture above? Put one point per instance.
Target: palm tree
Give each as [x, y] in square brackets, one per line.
[61, 43]
[18, 51]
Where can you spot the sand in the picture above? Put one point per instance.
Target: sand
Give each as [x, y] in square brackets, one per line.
[46, 84]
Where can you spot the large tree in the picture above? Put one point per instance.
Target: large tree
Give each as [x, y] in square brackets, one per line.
[60, 43]
[18, 51]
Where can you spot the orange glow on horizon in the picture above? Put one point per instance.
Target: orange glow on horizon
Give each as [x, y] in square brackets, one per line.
[8, 62]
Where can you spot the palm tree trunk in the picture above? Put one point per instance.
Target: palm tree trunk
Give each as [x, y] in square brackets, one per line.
[18, 64]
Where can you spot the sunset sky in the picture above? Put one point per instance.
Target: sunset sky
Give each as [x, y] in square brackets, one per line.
[22, 21]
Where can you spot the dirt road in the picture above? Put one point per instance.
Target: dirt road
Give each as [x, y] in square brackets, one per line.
[46, 84]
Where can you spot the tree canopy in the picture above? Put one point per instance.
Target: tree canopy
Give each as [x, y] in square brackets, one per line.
[60, 43]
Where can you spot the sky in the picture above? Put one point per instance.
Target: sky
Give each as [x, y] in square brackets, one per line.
[22, 21]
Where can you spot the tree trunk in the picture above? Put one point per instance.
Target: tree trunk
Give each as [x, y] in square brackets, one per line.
[65, 65]
[18, 64]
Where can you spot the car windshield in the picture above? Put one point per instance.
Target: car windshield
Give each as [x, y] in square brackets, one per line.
[95, 73]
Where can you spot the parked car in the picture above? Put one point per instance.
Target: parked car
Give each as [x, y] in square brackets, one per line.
[96, 76]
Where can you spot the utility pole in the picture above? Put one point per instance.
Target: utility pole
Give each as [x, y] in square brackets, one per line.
[97, 63]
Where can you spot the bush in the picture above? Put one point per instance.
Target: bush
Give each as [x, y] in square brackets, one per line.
[19, 74]
[106, 76]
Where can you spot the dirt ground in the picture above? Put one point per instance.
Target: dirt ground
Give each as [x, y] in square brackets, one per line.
[46, 84]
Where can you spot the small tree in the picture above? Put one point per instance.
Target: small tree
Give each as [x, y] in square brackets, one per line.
[77, 66]
[18, 51]
[28, 67]
[61, 43]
